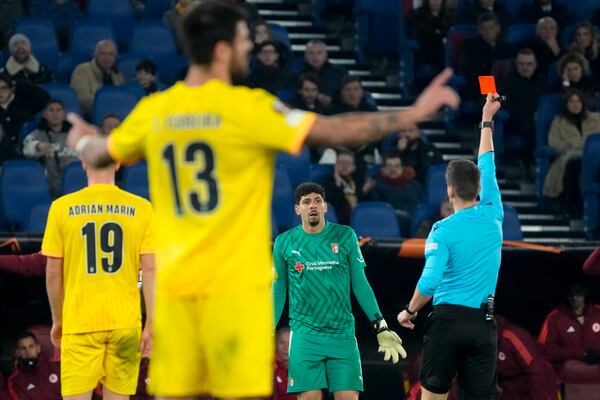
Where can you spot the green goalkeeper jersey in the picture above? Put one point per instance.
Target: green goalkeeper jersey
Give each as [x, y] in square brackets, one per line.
[319, 270]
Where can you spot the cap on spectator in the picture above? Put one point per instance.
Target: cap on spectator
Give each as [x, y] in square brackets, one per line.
[16, 38]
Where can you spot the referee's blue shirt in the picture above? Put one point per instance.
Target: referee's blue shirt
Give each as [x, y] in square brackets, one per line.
[463, 251]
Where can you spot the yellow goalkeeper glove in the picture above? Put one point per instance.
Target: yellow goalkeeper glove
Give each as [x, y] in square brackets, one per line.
[389, 342]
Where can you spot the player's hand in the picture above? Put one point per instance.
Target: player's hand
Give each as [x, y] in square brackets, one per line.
[405, 319]
[79, 129]
[146, 341]
[56, 334]
[391, 345]
[491, 107]
[436, 95]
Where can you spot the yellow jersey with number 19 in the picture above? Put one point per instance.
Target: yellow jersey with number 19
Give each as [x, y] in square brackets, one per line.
[100, 233]
[211, 154]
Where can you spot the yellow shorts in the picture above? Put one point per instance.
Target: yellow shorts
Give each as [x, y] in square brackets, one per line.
[219, 345]
[109, 357]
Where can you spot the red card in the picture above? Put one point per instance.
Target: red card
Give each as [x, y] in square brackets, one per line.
[487, 84]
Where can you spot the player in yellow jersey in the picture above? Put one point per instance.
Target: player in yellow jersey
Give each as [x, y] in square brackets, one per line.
[95, 241]
[211, 150]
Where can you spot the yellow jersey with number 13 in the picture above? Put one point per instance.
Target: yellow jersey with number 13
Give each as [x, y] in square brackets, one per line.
[211, 153]
[100, 233]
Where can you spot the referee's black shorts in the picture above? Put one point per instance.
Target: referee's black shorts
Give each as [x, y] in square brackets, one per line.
[458, 340]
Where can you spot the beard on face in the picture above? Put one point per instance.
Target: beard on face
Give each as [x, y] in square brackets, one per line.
[238, 68]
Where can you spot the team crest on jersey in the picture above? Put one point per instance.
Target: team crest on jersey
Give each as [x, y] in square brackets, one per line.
[596, 327]
[335, 248]
[53, 378]
[501, 356]
[291, 381]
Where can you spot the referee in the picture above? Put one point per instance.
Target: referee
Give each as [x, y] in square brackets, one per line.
[461, 271]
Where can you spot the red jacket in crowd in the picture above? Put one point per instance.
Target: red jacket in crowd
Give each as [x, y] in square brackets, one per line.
[280, 383]
[41, 382]
[29, 265]
[591, 266]
[523, 372]
[564, 338]
[3, 391]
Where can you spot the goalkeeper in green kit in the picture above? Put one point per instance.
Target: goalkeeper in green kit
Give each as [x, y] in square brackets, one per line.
[319, 262]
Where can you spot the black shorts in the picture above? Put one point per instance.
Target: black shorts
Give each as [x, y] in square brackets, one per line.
[458, 340]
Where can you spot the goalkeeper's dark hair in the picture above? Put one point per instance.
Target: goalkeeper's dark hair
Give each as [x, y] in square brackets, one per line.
[464, 176]
[207, 24]
[307, 188]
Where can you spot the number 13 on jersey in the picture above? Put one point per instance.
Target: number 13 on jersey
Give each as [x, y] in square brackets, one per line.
[193, 154]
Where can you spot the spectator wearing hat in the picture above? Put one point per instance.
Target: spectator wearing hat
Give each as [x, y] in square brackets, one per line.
[22, 64]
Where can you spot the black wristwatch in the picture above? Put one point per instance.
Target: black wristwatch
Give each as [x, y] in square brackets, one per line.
[408, 310]
[486, 124]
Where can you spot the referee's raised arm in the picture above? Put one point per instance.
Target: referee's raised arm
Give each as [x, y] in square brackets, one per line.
[490, 192]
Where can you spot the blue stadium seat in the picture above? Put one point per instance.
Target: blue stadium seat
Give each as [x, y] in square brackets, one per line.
[127, 63]
[27, 128]
[591, 185]
[274, 229]
[155, 9]
[435, 183]
[155, 41]
[112, 100]
[549, 106]
[319, 172]
[73, 178]
[64, 69]
[64, 93]
[282, 202]
[511, 226]
[378, 27]
[85, 35]
[41, 34]
[519, 33]
[22, 186]
[454, 42]
[135, 179]
[38, 215]
[280, 34]
[375, 218]
[423, 212]
[118, 13]
[297, 167]
[286, 95]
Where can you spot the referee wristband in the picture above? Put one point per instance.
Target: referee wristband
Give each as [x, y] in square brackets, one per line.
[82, 143]
[408, 310]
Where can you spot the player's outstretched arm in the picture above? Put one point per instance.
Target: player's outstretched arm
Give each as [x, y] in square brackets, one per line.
[356, 128]
[84, 138]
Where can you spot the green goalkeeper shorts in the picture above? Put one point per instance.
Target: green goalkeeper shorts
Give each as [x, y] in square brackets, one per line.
[323, 362]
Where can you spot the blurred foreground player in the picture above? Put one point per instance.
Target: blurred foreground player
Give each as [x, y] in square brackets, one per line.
[95, 240]
[461, 272]
[319, 262]
[211, 151]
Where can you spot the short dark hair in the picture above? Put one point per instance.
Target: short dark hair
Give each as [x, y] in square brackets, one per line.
[55, 101]
[487, 17]
[8, 80]
[266, 43]
[207, 24]
[147, 66]
[307, 188]
[350, 79]
[463, 176]
[308, 77]
[344, 152]
[392, 153]
[526, 51]
[25, 335]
